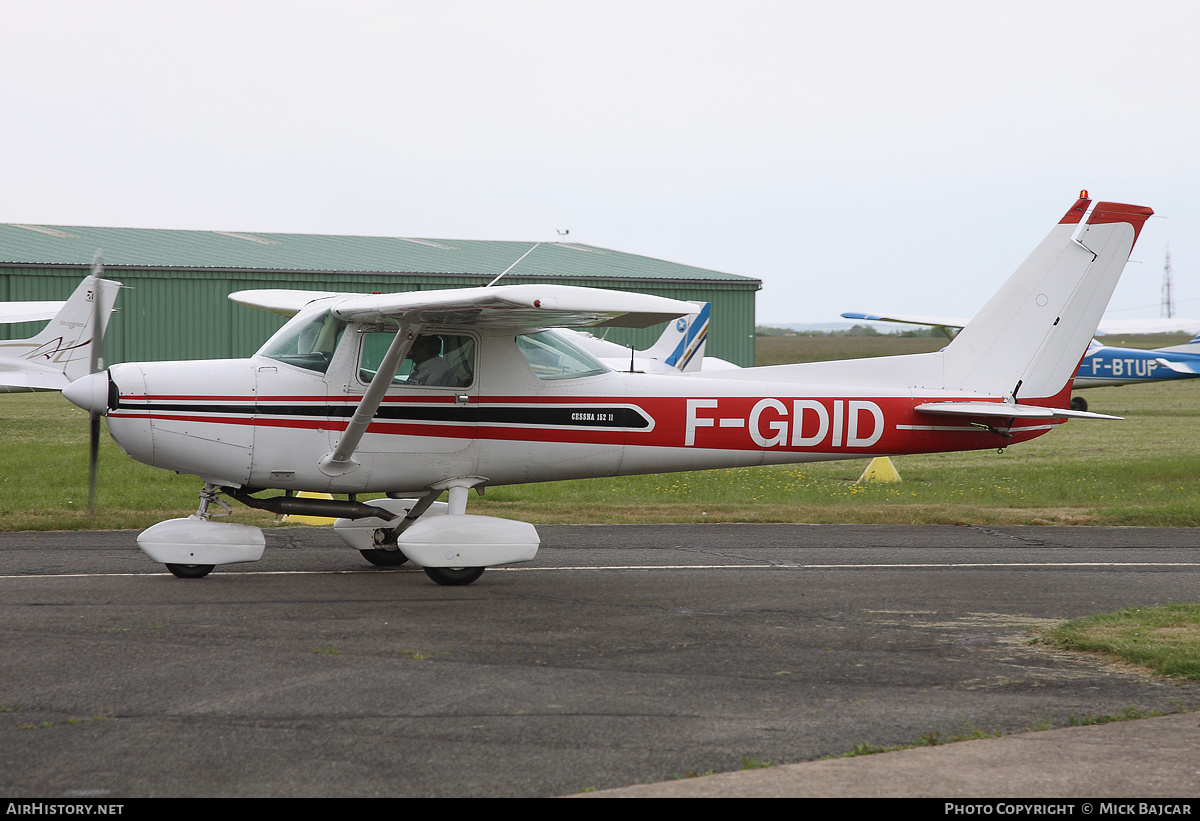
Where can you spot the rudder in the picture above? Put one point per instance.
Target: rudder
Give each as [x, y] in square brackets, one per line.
[1027, 341]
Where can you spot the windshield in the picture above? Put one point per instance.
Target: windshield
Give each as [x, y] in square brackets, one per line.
[307, 341]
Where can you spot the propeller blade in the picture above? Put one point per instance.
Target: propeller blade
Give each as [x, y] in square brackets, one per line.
[93, 461]
[97, 365]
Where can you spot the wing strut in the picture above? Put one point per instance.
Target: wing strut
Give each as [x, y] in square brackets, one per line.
[340, 460]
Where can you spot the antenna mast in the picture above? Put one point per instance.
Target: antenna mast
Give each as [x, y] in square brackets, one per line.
[1168, 303]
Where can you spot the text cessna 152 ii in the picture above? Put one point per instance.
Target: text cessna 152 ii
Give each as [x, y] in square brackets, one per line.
[416, 394]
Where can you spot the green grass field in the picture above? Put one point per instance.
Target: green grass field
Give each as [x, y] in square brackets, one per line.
[1164, 640]
[1141, 471]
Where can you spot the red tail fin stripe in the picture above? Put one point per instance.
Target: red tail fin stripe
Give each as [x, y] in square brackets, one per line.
[1135, 215]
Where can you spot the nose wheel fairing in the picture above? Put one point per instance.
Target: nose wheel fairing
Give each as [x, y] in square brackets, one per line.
[199, 541]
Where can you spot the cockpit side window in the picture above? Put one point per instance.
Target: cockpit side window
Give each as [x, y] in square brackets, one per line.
[553, 357]
[434, 360]
[306, 341]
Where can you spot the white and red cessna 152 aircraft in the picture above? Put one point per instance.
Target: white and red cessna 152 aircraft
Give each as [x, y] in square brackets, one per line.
[416, 394]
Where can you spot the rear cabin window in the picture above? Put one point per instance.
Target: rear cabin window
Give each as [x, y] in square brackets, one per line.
[552, 357]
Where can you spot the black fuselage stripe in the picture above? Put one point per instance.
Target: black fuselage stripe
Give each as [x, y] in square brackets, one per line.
[578, 416]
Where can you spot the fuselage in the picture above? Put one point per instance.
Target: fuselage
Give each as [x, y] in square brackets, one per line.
[1105, 366]
[517, 414]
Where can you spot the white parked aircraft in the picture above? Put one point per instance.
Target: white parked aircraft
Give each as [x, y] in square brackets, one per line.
[680, 348]
[416, 394]
[13, 312]
[62, 351]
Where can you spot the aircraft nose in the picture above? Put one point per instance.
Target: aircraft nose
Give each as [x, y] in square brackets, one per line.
[89, 393]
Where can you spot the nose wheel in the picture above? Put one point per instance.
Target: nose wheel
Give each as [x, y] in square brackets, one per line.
[454, 576]
[191, 571]
[384, 558]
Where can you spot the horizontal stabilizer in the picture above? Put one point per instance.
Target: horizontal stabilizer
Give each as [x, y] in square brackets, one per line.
[1006, 410]
[1178, 367]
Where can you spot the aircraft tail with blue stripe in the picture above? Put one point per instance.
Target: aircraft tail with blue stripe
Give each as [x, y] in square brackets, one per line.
[681, 345]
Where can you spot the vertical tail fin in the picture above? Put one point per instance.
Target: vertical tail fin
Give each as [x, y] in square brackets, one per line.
[1030, 336]
[682, 344]
[61, 352]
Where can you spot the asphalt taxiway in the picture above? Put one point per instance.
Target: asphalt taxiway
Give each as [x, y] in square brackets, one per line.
[622, 656]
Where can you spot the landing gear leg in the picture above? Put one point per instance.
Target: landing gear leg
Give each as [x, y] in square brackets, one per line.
[385, 553]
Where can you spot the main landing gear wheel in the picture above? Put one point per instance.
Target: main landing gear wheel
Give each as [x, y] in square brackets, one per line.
[454, 576]
[191, 571]
[1078, 403]
[384, 558]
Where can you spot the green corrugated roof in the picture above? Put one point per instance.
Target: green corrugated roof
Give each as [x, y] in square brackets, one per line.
[158, 248]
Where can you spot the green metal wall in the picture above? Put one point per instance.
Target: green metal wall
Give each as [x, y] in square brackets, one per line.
[172, 314]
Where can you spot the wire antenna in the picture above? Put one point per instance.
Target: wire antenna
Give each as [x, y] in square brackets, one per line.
[514, 265]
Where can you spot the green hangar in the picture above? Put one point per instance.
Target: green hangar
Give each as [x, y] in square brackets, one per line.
[174, 305]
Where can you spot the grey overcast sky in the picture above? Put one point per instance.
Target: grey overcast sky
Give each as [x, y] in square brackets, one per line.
[900, 156]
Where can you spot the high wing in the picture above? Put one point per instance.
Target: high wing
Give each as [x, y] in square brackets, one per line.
[1148, 326]
[504, 306]
[677, 349]
[282, 301]
[514, 306]
[1190, 347]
